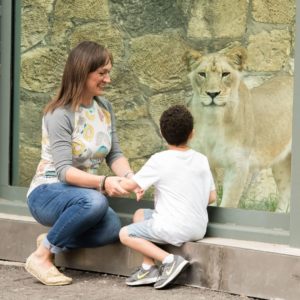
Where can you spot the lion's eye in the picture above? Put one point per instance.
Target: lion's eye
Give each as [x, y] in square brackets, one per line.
[202, 74]
[225, 74]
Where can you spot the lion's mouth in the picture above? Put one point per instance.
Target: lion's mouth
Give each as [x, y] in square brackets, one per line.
[213, 104]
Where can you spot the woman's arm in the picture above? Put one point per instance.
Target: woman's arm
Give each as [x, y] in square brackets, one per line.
[121, 167]
[81, 178]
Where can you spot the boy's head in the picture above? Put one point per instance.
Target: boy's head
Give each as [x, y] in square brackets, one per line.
[176, 125]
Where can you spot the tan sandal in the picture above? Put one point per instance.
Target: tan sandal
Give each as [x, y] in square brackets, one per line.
[49, 276]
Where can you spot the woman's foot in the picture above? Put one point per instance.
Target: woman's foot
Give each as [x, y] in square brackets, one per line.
[45, 271]
[39, 242]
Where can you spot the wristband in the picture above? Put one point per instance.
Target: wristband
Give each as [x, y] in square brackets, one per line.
[102, 184]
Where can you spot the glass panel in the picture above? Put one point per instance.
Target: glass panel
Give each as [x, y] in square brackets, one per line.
[242, 129]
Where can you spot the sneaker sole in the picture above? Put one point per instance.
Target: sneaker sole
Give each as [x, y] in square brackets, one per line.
[142, 282]
[180, 268]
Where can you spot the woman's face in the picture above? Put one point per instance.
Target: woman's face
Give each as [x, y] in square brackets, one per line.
[97, 80]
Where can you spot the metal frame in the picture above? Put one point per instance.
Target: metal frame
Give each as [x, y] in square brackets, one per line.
[224, 222]
[5, 84]
[16, 92]
[295, 187]
[8, 91]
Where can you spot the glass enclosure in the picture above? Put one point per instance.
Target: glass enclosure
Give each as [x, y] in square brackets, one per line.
[234, 69]
[149, 75]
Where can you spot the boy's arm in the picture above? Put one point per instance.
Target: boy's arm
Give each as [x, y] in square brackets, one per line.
[128, 184]
[131, 186]
[212, 197]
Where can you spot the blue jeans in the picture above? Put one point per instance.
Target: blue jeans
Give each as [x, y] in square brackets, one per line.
[78, 217]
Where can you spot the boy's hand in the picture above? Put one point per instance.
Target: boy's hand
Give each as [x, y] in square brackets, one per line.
[139, 193]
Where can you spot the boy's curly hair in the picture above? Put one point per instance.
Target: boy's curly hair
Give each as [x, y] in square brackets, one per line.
[176, 124]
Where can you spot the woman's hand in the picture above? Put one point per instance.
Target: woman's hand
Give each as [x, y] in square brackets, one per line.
[113, 187]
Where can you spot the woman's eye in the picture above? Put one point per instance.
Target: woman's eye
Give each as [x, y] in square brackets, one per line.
[225, 74]
[202, 74]
[102, 74]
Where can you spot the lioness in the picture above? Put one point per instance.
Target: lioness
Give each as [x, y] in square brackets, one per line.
[241, 131]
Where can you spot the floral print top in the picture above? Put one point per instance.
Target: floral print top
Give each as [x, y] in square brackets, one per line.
[82, 139]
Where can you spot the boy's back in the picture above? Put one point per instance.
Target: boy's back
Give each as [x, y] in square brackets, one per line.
[183, 182]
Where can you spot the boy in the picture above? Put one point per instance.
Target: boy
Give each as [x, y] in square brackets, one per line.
[183, 188]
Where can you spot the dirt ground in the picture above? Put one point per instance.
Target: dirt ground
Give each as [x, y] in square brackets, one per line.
[16, 283]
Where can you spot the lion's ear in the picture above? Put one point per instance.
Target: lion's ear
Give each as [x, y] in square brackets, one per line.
[237, 56]
[191, 59]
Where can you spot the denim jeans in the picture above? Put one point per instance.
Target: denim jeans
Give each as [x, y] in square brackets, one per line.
[78, 217]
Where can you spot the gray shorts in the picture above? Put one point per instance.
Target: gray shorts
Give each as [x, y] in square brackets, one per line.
[144, 229]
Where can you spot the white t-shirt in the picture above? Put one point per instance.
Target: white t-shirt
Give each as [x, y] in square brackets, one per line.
[183, 182]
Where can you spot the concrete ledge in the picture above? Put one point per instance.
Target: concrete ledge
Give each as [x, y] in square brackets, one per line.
[254, 270]
[250, 268]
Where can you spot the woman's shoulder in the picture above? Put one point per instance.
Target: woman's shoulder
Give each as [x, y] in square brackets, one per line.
[61, 115]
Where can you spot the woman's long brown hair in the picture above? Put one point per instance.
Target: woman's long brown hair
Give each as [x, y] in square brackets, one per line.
[85, 58]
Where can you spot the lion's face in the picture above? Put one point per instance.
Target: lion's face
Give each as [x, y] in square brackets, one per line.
[215, 77]
[214, 80]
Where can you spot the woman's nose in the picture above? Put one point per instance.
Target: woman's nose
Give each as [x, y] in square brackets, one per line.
[106, 77]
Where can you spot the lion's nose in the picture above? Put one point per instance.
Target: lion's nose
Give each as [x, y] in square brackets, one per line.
[213, 95]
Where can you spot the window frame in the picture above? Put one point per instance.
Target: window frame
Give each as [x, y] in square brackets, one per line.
[224, 222]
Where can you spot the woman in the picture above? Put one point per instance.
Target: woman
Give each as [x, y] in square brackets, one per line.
[78, 133]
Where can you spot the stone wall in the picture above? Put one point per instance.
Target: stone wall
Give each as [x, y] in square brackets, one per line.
[148, 39]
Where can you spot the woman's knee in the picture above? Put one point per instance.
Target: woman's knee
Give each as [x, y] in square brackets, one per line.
[138, 216]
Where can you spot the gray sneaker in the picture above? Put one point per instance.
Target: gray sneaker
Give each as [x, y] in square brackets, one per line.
[169, 272]
[142, 277]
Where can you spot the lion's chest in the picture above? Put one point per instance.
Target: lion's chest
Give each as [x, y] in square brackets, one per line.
[220, 150]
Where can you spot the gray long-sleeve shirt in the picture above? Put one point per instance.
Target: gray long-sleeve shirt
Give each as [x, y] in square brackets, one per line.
[82, 139]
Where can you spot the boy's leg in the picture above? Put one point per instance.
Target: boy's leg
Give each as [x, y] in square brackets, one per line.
[142, 246]
[139, 216]
[148, 272]
[141, 237]
[172, 265]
